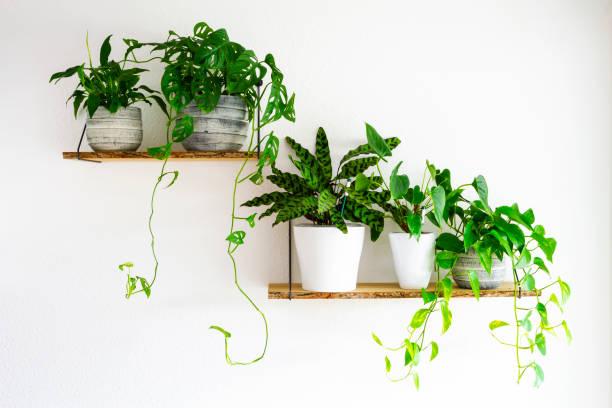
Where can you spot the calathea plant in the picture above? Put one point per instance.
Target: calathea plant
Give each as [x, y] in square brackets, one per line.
[507, 232]
[109, 84]
[198, 69]
[323, 197]
[408, 207]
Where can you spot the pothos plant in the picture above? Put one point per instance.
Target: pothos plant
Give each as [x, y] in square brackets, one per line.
[198, 69]
[507, 232]
[408, 207]
[323, 197]
[110, 84]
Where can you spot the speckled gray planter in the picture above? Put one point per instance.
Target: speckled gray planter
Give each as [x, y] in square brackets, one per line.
[470, 262]
[225, 128]
[111, 132]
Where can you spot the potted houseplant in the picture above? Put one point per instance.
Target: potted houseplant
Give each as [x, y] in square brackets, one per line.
[328, 247]
[414, 249]
[108, 93]
[198, 70]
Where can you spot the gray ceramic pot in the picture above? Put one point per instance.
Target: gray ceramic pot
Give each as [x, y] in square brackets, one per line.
[471, 262]
[119, 131]
[224, 128]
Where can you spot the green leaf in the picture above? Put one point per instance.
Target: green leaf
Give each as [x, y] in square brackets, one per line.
[363, 149]
[469, 236]
[415, 223]
[93, 102]
[565, 291]
[497, 324]
[323, 155]
[387, 364]
[480, 185]
[439, 201]
[183, 129]
[362, 183]
[236, 237]
[475, 284]
[398, 183]
[65, 74]
[326, 201]
[539, 373]
[446, 259]
[415, 379]
[225, 333]
[526, 323]
[146, 288]
[540, 342]
[434, 350]
[126, 265]
[539, 262]
[174, 174]
[547, 245]
[160, 152]
[529, 282]
[513, 213]
[251, 220]
[376, 339]
[554, 300]
[484, 255]
[105, 51]
[568, 334]
[447, 316]
[377, 143]
[449, 242]
[428, 297]
[524, 259]
[447, 288]
[541, 309]
[419, 318]
[352, 168]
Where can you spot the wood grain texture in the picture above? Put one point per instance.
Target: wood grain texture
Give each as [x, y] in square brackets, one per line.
[382, 291]
[184, 156]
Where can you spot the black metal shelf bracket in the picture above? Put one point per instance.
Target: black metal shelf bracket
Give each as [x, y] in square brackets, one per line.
[78, 152]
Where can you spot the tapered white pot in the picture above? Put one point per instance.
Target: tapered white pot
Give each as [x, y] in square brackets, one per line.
[413, 259]
[328, 258]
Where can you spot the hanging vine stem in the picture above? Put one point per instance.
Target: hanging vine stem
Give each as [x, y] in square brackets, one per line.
[235, 238]
[132, 281]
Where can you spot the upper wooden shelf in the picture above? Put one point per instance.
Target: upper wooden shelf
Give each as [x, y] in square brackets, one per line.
[183, 156]
[382, 291]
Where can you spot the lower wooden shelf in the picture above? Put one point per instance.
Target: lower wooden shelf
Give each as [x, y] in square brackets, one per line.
[115, 156]
[382, 291]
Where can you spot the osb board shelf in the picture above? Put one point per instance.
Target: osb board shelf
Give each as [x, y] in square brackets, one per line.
[383, 291]
[184, 156]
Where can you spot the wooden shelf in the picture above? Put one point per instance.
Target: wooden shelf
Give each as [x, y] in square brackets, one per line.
[382, 291]
[183, 156]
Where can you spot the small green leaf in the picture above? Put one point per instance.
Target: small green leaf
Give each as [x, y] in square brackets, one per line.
[475, 284]
[541, 309]
[160, 152]
[183, 129]
[415, 378]
[376, 339]
[399, 184]
[554, 300]
[126, 265]
[480, 185]
[236, 237]
[362, 182]
[419, 318]
[568, 334]
[326, 201]
[105, 51]
[439, 201]
[225, 333]
[449, 242]
[387, 364]
[447, 288]
[434, 350]
[447, 316]
[540, 342]
[497, 324]
[446, 259]
[539, 262]
[539, 373]
[524, 259]
[565, 291]
[146, 288]
[251, 220]
[529, 282]
[415, 223]
[428, 297]
[377, 143]
[468, 235]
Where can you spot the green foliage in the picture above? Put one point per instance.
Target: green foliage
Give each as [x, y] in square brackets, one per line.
[321, 197]
[109, 84]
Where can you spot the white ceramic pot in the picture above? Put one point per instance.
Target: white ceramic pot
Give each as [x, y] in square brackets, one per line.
[119, 131]
[328, 258]
[413, 259]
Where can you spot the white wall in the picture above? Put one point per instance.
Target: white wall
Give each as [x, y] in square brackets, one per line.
[519, 91]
